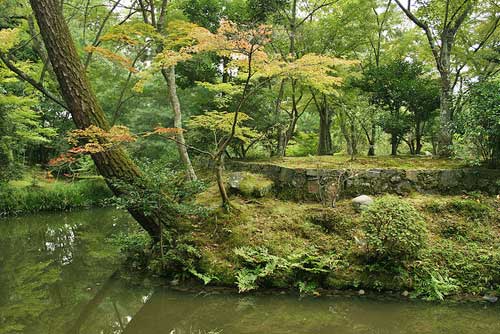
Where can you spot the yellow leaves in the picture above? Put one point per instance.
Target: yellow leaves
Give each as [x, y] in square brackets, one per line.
[113, 57]
[222, 122]
[320, 72]
[169, 58]
[131, 33]
[9, 38]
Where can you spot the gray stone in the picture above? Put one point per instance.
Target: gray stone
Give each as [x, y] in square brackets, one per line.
[361, 292]
[396, 179]
[250, 185]
[235, 180]
[491, 299]
[412, 175]
[362, 201]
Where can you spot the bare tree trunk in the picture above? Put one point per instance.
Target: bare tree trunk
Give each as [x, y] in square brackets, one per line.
[371, 141]
[82, 103]
[325, 137]
[219, 172]
[394, 144]
[325, 146]
[280, 150]
[445, 133]
[169, 75]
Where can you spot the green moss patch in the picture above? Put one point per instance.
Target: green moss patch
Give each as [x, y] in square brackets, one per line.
[250, 185]
[343, 161]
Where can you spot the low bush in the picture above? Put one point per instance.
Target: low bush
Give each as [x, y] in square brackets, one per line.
[56, 197]
[394, 230]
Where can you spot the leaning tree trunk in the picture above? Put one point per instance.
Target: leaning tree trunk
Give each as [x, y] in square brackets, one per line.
[82, 103]
[169, 75]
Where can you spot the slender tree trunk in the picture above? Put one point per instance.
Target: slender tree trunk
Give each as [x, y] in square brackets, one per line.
[418, 137]
[169, 75]
[394, 144]
[495, 154]
[371, 141]
[445, 133]
[219, 172]
[280, 150]
[325, 137]
[81, 101]
[345, 133]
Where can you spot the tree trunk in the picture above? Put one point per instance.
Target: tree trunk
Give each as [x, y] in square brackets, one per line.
[169, 75]
[325, 137]
[81, 101]
[371, 141]
[445, 133]
[394, 144]
[280, 150]
[219, 172]
[495, 154]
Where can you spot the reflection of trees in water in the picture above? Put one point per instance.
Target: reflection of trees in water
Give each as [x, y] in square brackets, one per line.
[181, 313]
[48, 263]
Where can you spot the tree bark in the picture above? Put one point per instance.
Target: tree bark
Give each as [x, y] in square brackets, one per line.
[325, 136]
[325, 146]
[394, 144]
[169, 75]
[371, 141]
[82, 103]
[445, 134]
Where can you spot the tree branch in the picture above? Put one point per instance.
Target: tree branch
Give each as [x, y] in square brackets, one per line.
[25, 77]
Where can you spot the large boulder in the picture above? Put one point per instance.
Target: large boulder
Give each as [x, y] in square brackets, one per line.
[250, 185]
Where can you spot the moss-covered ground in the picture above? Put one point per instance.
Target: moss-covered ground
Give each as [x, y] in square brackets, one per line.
[267, 242]
[344, 161]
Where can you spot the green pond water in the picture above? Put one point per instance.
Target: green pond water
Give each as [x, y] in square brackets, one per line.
[58, 274]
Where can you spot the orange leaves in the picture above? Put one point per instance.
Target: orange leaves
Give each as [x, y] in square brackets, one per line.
[113, 57]
[164, 131]
[63, 159]
[95, 140]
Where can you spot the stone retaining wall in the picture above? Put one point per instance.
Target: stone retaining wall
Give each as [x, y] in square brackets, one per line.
[308, 183]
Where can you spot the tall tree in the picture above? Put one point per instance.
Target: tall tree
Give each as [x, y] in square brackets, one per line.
[442, 21]
[114, 165]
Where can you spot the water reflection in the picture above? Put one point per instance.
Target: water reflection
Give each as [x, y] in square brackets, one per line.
[58, 276]
[52, 264]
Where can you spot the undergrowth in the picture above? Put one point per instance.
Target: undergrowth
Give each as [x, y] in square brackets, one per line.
[431, 246]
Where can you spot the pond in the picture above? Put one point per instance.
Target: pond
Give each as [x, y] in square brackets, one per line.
[58, 274]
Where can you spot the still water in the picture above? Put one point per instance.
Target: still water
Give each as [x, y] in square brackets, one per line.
[58, 274]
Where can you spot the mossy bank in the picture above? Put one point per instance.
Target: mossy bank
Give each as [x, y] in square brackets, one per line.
[424, 246]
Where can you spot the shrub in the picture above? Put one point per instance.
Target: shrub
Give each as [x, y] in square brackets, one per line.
[394, 230]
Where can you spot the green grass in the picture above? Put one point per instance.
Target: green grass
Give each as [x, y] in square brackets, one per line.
[343, 161]
[33, 194]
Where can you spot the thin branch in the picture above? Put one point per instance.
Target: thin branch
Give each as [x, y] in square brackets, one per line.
[25, 77]
[308, 16]
[99, 32]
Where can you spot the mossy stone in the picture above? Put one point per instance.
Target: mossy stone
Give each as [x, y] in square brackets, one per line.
[251, 185]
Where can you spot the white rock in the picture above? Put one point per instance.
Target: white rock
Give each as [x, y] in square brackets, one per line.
[362, 201]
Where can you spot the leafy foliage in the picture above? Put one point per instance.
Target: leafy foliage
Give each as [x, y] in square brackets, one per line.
[394, 230]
